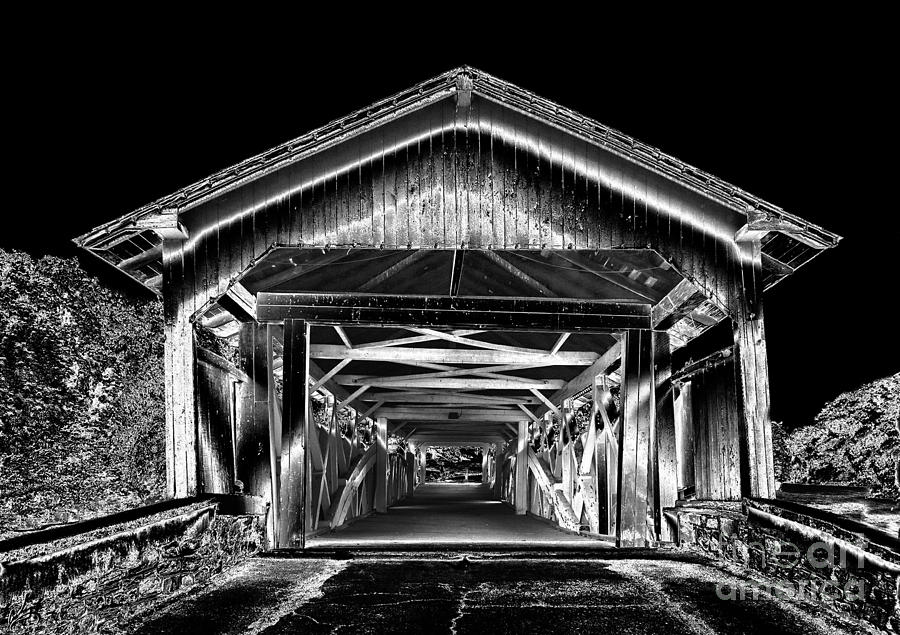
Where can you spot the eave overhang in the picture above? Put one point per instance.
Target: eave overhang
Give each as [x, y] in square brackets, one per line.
[132, 242]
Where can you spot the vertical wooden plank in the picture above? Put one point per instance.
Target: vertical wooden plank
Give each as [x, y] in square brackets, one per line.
[700, 445]
[750, 346]
[557, 183]
[684, 435]
[391, 217]
[214, 426]
[601, 485]
[637, 397]
[521, 489]
[296, 424]
[667, 461]
[381, 466]
[252, 442]
[181, 448]
[275, 433]
[469, 203]
[567, 457]
[171, 278]
[426, 191]
[423, 460]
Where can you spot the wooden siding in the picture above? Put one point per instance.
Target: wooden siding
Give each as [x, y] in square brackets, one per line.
[479, 177]
[215, 399]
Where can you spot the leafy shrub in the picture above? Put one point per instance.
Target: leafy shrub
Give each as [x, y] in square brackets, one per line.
[81, 394]
[853, 441]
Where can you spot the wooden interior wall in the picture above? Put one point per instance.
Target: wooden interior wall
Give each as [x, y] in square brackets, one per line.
[483, 177]
[252, 439]
[716, 423]
[295, 481]
[215, 426]
[636, 473]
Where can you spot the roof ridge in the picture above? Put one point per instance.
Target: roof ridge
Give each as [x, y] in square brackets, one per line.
[489, 87]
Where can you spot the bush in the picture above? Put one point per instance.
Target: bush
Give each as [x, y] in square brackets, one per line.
[853, 441]
[81, 394]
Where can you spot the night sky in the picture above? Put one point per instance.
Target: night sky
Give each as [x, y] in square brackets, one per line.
[100, 125]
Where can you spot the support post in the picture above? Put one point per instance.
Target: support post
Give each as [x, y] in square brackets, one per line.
[485, 467]
[253, 459]
[381, 465]
[179, 362]
[567, 453]
[275, 412]
[635, 486]
[666, 461]
[294, 481]
[499, 460]
[522, 469]
[410, 458]
[423, 459]
[757, 461]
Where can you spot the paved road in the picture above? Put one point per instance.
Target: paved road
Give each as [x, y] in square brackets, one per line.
[489, 595]
[451, 514]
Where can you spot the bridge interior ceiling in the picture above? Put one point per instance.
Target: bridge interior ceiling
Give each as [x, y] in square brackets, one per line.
[439, 384]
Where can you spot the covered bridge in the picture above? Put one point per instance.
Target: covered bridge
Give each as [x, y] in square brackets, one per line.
[466, 263]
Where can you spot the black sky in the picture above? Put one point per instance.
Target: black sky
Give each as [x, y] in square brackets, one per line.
[797, 114]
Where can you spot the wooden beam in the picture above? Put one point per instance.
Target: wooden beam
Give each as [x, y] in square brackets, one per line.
[417, 339]
[253, 467]
[239, 302]
[372, 410]
[394, 269]
[453, 382]
[479, 356]
[548, 403]
[297, 271]
[760, 223]
[381, 465]
[769, 263]
[530, 414]
[467, 341]
[349, 398]
[456, 271]
[331, 373]
[679, 302]
[635, 485]
[559, 343]
[145, 257]
[586, 378]
[473, 312]
[522, 469]
[166, 224]
[343, 335]
[517, 273]
[611, 278]
[489, 372]
[442, 415]
[665, 457]
[295, 480]
[757, 461]
[447, 397]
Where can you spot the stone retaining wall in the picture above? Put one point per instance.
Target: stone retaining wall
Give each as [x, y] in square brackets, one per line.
[100, 586]
[828, 561]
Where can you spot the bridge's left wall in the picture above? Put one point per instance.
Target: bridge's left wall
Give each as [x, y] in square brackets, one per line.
[90, 584]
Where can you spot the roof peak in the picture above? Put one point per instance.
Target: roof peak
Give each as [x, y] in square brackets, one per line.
[465, 80]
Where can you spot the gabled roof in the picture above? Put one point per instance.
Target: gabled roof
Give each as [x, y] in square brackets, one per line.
[458, 81]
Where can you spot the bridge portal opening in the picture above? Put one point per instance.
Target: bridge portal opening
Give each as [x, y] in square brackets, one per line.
[535, 366]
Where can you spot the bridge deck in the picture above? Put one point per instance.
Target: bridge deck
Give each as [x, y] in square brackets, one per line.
[270, 596]
[450, 514]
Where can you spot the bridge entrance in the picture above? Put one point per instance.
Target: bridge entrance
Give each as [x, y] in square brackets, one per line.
[544, 359]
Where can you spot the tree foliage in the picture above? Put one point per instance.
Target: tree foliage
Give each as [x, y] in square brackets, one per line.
[853, 440]
[81, 394]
